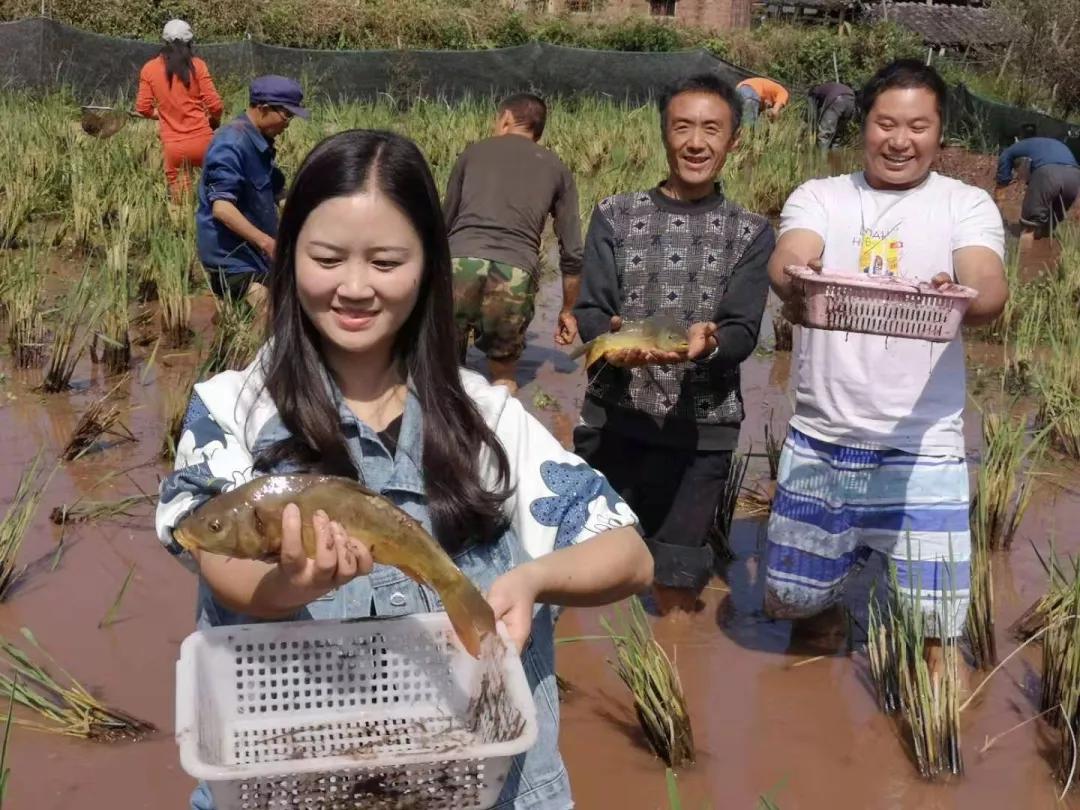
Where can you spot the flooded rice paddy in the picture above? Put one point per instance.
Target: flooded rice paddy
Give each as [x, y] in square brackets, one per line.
[772, 718]
[806, 734]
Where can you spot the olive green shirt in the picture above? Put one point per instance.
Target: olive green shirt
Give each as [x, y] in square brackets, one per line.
[500, 193]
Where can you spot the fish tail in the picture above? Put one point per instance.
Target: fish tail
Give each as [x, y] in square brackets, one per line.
[580, 350]
[595, 353]
[469, 613]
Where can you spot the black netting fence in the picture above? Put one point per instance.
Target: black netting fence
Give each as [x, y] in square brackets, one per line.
[42, 55]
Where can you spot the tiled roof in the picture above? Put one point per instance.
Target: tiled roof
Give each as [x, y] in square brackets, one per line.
[946, 25]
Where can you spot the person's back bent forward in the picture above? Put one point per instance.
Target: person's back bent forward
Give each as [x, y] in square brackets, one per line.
[499, 195]
[1053, 183]
[236, 219]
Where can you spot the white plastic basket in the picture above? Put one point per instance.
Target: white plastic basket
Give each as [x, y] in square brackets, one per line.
[344, 715]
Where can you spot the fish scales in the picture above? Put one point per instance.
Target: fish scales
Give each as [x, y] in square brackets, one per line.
[245, 523]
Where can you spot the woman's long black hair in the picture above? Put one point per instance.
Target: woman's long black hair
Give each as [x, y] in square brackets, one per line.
[178, 56]
[462, 510]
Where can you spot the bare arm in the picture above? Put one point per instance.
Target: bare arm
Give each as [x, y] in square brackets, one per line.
[604, 569]
[566, 326]
[981, 269]
[251, 587]
[229, 215]
[796, 247]
[611, 566]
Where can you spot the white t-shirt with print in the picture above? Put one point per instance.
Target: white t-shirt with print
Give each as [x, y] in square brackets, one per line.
[869, 390]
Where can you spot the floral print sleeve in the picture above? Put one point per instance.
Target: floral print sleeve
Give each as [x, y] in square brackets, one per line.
[209, 459]
[558, 499]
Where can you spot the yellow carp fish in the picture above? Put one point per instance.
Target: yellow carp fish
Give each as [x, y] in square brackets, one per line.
[246, 523]
[658, 332]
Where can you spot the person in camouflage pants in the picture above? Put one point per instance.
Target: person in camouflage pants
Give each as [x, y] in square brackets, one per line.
[494, 303]
[498, 199]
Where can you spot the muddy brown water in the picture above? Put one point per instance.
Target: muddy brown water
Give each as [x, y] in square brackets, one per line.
[809, 737]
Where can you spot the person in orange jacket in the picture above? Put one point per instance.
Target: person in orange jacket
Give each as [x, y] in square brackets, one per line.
[175, 88]
[761, 95]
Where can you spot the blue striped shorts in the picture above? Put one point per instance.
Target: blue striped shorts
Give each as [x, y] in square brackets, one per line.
[835, 506]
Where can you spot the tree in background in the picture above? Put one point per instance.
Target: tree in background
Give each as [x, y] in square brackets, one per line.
[1044, 58]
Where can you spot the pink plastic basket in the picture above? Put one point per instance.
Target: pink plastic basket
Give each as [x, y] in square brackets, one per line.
[882, 305]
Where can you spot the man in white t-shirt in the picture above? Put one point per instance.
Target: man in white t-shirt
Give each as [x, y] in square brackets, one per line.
[874, 459]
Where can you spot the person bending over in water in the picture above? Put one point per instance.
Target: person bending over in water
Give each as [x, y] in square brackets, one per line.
[360, 378]
[874, 458]
[664, 434]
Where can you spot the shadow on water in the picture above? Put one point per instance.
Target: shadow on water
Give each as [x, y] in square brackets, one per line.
[741, 615]
[533, 359]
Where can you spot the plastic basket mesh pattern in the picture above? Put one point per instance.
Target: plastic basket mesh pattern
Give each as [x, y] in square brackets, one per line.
[335, 715]
[457, 787]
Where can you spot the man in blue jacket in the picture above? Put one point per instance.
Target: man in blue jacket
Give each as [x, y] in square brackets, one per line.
[1053, 183]
[237, 217]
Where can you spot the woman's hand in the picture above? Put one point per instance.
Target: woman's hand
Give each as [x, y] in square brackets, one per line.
[338, 557]
[512, 597]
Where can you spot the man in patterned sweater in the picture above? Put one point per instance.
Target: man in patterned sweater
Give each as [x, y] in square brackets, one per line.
[662, 426]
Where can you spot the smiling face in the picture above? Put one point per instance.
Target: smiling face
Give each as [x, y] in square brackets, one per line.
[359, 263]
[698, 135]
[901, 137]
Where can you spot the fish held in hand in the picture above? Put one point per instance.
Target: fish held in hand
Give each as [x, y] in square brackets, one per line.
[246, 523]
[657, 333]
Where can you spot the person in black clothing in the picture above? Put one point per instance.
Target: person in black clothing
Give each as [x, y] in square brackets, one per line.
[662, 426]
[831, 107]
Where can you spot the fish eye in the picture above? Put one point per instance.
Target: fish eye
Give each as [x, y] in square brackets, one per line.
[215, 525]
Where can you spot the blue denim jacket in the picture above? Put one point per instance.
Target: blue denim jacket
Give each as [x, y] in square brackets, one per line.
[238, 167]
[538, 778]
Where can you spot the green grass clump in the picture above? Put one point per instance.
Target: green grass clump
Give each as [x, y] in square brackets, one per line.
[116, 321]
[659, 702]
[16, 521]
[62, 708]
[24, 304]
[720, 533]
[78, 319]
[928, 702]
[172, 256]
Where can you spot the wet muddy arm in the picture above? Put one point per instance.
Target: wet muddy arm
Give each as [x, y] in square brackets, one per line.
[982, 269]
[599, 298]
[797, 247]
[978, 248]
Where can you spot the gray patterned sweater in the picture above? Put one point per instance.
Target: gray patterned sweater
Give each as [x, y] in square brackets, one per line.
[705, 260]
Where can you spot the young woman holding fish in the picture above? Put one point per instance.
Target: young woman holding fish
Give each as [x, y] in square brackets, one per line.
[360, 381]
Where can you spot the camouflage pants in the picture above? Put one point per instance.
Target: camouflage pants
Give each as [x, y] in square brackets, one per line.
[495, 302]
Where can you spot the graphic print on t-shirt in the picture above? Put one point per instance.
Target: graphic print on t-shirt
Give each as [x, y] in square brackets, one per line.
[879, 252]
